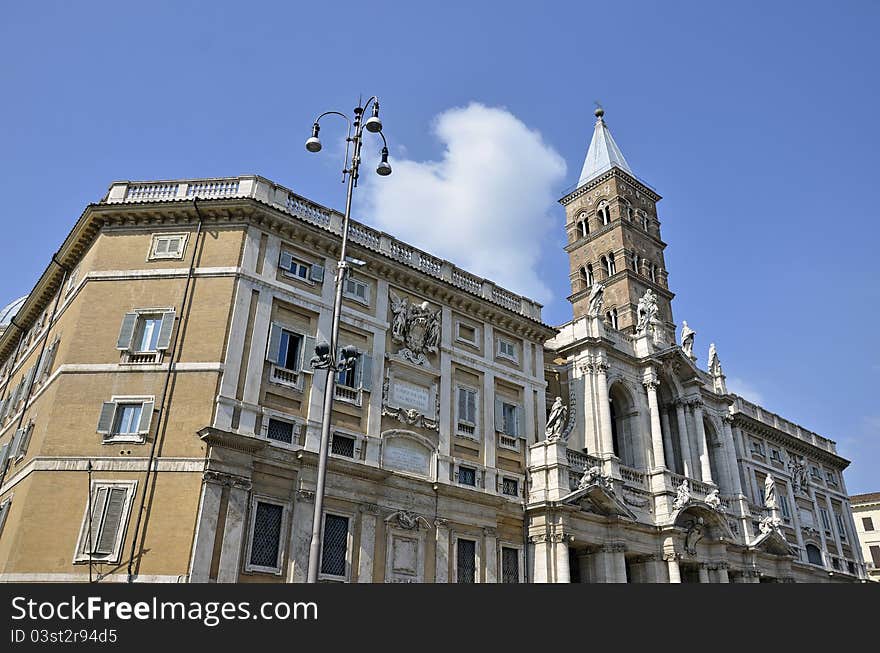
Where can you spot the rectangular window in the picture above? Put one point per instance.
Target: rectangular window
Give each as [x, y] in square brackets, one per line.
[357, 290]
[509, 565]
[467, 476]
[145, 332]
[466, 333]
[466, 561]
[168, 246]
[298, 269]
[508, 418]
[103, 528]
[467, 412]
[342, 445]
[875, 555]
[126, 419]
[757, 448]
[350, 382]
[510, 487]
[826, 521]
[815, 473]
[830, 478]
[265, 550]
[280, 431]
[784, 506]
[841, 527]
[334, 551]
[506, 349]
[868, 523]
[4, 512]
[775, 455]
[290, 353]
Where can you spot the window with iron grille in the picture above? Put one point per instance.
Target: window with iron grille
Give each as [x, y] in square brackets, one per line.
[335, 546]
[280, 430]
[466, 561]
[467, 476]
[342, 445]
[266, 536]
[510, 487]
[509, 565]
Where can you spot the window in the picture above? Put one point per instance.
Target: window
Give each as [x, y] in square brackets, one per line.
[4, 511]
[830, 478]
[635, 262]
[298, 269]
[758, 448]
[342, 445]
[334, 550]
[868, 523]
[875, 556]
[289, 352]
[466, 561]
[826, 521]
[20, 441]
[71, 281]
[280, 431]
[775, 455]
[509, 565]
[510, 487]
[644, 220]
[167, 246]
[508, 418]
[103, 529]
[835, 563]
[506, 349]
[841, 526]
[604, 214]
[814, 556]
[653, 273]
[612, 319]
[125, 419]
[467, 476]
[784, 506]
[851, 567]
[467, 412]
[350, 382]
[144, 333]
[589, 275]
[583, 228]
[357, 290]
[265, 543]
[609, 263]
[466, 333]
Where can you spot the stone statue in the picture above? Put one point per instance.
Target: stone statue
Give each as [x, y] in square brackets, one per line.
[799, 479]
[416, 327]
[593, 476]
[714, 362]
[694, 535]
[770, 500]
[714, 501]
[407, 519]
[556, 420]
[647, 312]
[682, 495]
[687, 340]
[597, 298]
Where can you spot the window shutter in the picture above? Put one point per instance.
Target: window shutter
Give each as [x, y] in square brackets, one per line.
[15, 444]
[3, 404]
[306, 351]
[286, 261]
[126, 332]
[462, 404]
[4, 449]
[365, 371]
[165, 330]
[4, 511]
[50, 359]
[25, 440]
[316, 272]
[105, 421]
[471, 406]
[112, 521]
[499, 414]
[146, 417]
[520, 422]
[274, 349]
[99, 500]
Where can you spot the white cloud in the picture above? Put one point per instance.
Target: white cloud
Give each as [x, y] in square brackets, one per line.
[485, 205]
[745, 390]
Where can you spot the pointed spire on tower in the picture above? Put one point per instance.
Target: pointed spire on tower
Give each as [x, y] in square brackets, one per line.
[603, 153]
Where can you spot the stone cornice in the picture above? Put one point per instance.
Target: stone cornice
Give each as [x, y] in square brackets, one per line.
[757, 427]
[612, 172]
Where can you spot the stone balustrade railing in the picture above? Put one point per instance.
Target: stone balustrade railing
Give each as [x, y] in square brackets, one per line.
[784, 425]
[633, 477]
[581, 462]
[252, 186]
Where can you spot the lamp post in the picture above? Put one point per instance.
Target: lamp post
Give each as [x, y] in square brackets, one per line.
[325, 352]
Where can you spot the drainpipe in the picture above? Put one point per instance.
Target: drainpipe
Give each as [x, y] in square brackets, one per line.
[526, 528]
[175, 353]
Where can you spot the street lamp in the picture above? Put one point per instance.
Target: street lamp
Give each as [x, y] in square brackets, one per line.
[325, 352]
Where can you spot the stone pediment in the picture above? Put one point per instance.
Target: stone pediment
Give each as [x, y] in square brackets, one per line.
[677, 362]
[597, 499]
[773, 541]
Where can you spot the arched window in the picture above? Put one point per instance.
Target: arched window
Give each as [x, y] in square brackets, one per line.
[604, 213]
[611, 318]
[635, 262]
[583, 228]
[644, 221]
[588, 274]
[612, 266]
[653, 273]
[814, 555]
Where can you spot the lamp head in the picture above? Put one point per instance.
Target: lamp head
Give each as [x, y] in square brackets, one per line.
[349, 355]
[314, 143]
[322, 349]
[384, 168]
[373, 123]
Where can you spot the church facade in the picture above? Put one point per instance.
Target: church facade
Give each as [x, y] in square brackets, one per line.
[160, 421]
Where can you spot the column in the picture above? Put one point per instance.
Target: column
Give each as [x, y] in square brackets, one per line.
[367, 552]
[683, 443]
[490, 548]
[301, 536]
[656, 430]
[705, 467]
[540, 558]
[206, 531]
[233, 532]
[488, 428]
[618, 561]
[667, 438]
[441, 566]
[730, 451]
[703, 572]
[672, 567]
[587, 420]
[604, 408]
[723, 577]
[560, 548]
[833, 521]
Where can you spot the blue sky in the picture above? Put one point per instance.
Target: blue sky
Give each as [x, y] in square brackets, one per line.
[757, 122]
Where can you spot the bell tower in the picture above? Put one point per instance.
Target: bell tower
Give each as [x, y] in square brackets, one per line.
[614, 237]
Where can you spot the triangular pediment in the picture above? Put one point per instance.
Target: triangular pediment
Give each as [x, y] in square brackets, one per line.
[596, 498]
[773, 541]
